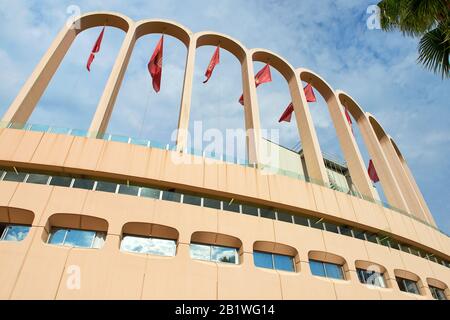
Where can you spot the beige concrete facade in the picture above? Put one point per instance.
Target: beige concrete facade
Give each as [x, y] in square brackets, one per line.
[33, 269]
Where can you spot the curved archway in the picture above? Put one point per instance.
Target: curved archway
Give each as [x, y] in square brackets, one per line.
[414, 188]
[25, 102]
[163, 134]
[359, 178]
[392, 165]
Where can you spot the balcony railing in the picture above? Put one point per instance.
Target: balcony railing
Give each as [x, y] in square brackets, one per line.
[204, 154]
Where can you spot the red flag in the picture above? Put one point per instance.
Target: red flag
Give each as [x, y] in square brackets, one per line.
[372, 172]
[215, 60]
[90, 60]
[98, 43]
[287, 114]
[349, 119]
[95, 49]
[155, 65]
[310, 97]
[309, 93]
[261, 77]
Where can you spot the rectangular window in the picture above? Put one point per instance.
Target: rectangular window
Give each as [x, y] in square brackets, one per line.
[437, 293]
[171, 196]
[250, 210]
[303, 221]
[359, 234]
[193, 200]
[407, 285]
[211, 203]
[231, 206]
[317, 268]
[331, 227]
[326, 269]
[316, 223]
[273, 261]
[267, 213]
[214, 253]
[150, 193]
[155, 246]
[60, 181]
[371, 277]
[83, 184]
[76, 238]
[346, 231]
[37, 178]
[106, 186]
[282, 262]
[15, 177]
[283, 216]
[129, 190]
[13, 232]
[263, 260]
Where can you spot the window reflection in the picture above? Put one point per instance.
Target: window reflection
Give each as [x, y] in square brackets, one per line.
[148, 245]
[371, 277]
[76, 238]
[13, 232]
[407, 285]
[214, 253]
[438, 293]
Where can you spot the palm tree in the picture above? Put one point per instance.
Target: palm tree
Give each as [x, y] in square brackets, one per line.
[428, 19]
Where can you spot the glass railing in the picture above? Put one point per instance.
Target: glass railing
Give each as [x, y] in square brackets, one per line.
[206, 154]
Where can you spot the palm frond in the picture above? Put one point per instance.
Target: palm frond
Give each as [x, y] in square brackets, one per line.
[434, 50]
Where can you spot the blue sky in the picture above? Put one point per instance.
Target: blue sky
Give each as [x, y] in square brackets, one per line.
[330, 37]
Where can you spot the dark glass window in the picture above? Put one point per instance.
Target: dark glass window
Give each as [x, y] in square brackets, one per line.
[303, 221]
[13, 176]
[129, 190]
[346, 231]
[267, 213]
[211, 203]
[316, 223]
[106, 186]
[372, 238]
[283, 216]
[37, 178]
[250, 210]
[437, 293]
[407, 285]
[171, 196]
[233, 206]
[60, 181]
[359, 234]
[331, 227]
[150, 193]
[83, 184]
[194, 200]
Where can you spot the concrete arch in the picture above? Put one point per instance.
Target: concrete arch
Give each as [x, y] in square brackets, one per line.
[25, 102]
[347, 141]
[390, 163]
[352, 106]
[178, 31]
[414, 188]
[313, 158]
[208, 38]
[198, 40]
[141, 28]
